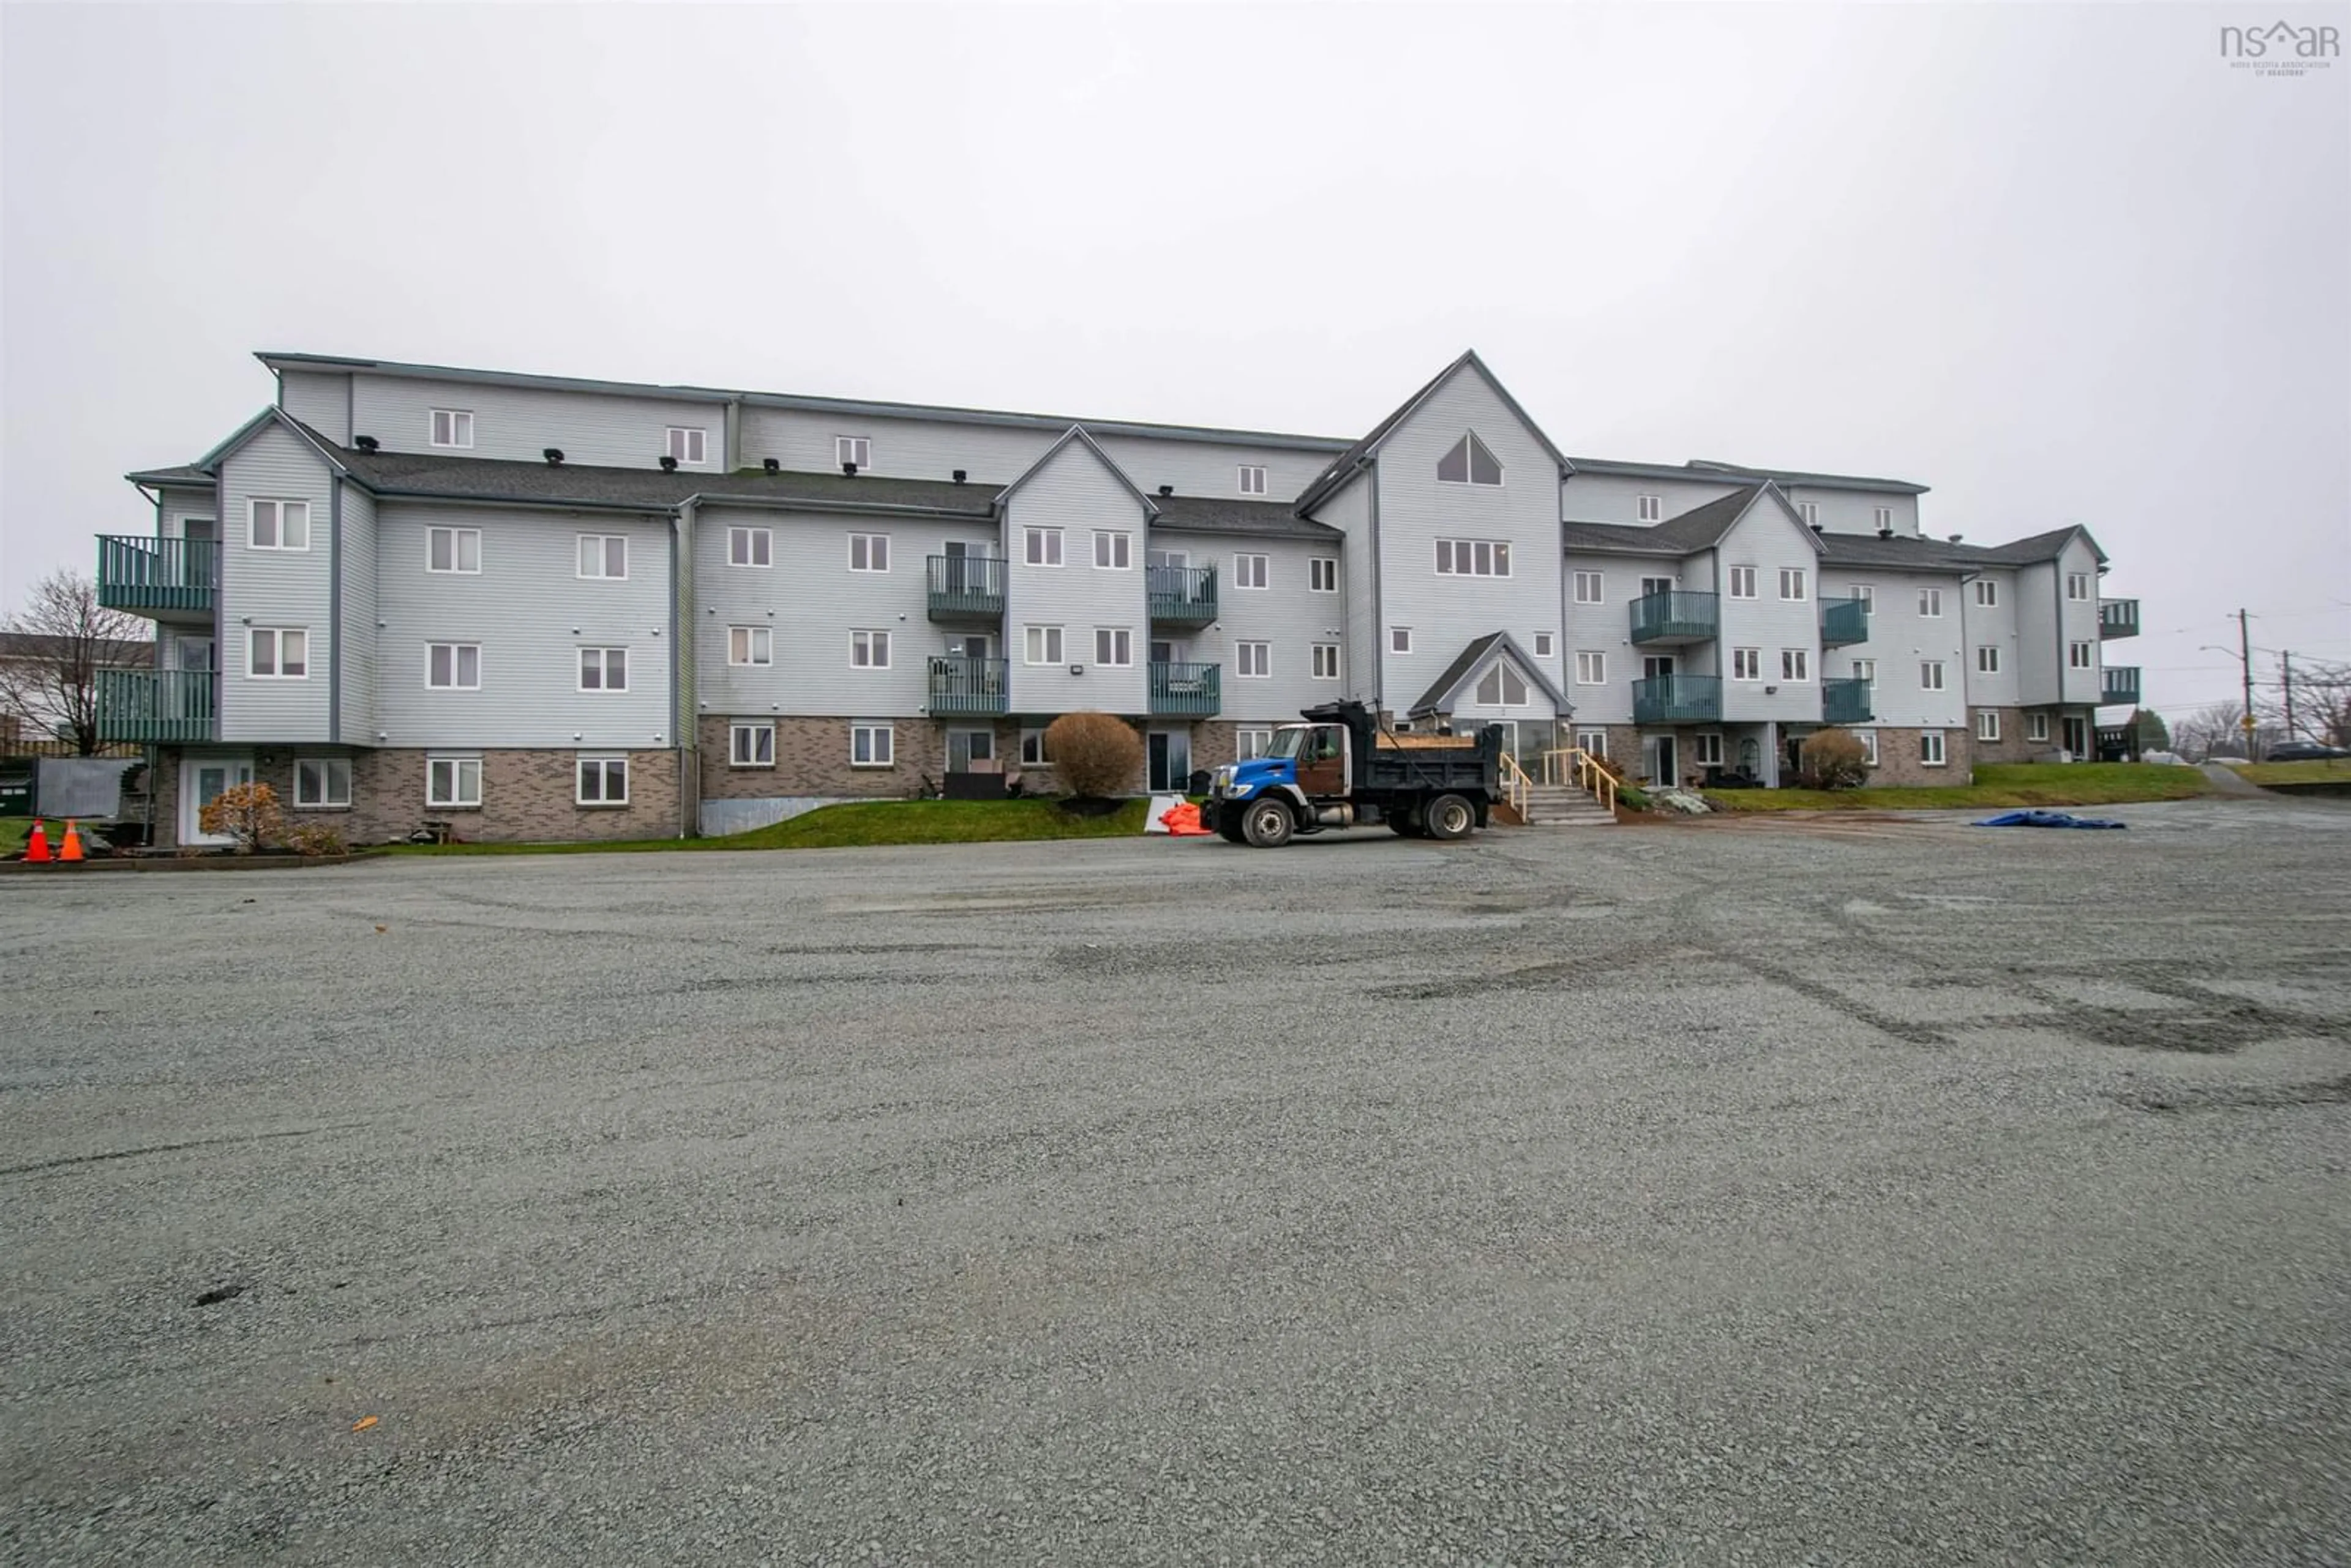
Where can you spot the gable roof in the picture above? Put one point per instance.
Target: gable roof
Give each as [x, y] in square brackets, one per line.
[183, 477]
[1919, 554]
[1471, 663]
[1702, 527]
[1230, 515]
[1331, 478]
[1077, 432]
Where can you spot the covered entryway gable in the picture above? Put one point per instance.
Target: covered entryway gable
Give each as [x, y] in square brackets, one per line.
[1493, 681]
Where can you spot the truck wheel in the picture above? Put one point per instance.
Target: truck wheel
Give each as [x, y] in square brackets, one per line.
[1230, 831]
[1267, 824]
[1450, 816]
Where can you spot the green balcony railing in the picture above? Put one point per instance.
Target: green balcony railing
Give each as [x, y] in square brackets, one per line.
[1674, 616]
[145, 575]
[1182, 594]
[156, 706]
[1189, 691]
[1844, 621]
[965, 587]
[1678, 699]
[1845, 702]
[961, 688]
[2117, 617]
[2121, 686]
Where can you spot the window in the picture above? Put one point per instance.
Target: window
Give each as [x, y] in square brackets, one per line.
[1743, 582]
[1747, 664]
[871, 746]
[452, 781]
[1930, 675]
[869, 552]
[857, 449]
[603, 669]
[1542, 645]
[1113, 550]
[687, 445]
[453, 667]
[1709, 750]
[751, 645]
[1323, 574]
[1249, 571]
[1988, 660]
[751, 745]
[321, 783]
[1470, 463]
[1882, 517]
[1868, 738]
[1044, 645]
[1252, 480]
[1930, 603]
[1591, 742]
[1032, 749]
[1988, 592]
[453, 549]
[604, 555]
[1399, 638]
[453, 427]
[1248, 743]
[603, 781]
[1502, 686]
[1113, 646]
[750, 547]
[1796, 664]
[1868, 597]
[1791, 583]
[278, 525]
[1043, 547]
[1866, 671]
[1930, 749]
[2036, 726]
[1651, 507]
[278, 652]
[1326, 661]
[869, 650]
[2077, 586]
[2078, 656]
[1987, 723]
[1254, 660]
[1811, 512]
[1591, 668]
[1591, 588]
[1473, 557]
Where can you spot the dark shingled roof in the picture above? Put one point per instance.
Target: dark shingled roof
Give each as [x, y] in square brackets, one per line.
[1438, 698]
[1700, 528]
[184, 474]
[1228, 514]
[1731, 473]
[1935, 555]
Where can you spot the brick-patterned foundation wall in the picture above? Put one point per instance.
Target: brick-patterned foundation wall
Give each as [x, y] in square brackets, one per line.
[1897, 759]
[812, 759]
[2014, 727]
[527, 797]
[163, 789]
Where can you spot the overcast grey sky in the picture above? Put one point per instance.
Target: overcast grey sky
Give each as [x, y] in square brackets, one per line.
[2061, 263]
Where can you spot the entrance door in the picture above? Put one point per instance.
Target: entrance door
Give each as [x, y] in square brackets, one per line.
[979, 645]
[2078, 737]
[1656, 664]
[1656, 585]
[966, 746]
[1170, 751]
[196, 559]
[963, 577]
[1791, 756]
[1657, 753]
[203, 780]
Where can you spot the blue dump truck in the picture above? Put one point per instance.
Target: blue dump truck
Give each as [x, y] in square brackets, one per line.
[1341, 770]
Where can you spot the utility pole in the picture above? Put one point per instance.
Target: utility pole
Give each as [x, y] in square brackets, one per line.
[2245, 659]
[2285, 666]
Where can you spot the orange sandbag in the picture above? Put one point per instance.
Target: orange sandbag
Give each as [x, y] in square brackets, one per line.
[1182, 820]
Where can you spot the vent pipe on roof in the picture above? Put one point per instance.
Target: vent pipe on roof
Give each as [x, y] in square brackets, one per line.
[554, 456]
[1886, 533]
[850, 469]
[771, 465]
[959, 476]
[669, 463]
[1166, 489]
[1956, 538]
[1819, 527]
[366, 443]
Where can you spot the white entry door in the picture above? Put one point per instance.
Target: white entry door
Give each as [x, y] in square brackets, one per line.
[203, 780]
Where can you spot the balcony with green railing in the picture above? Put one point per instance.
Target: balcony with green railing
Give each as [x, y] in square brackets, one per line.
[2117, 617]
[2121, 686]
[1678, 699]
[1844, 621]
[1185, 691]
[965, 587]
[151, 576]
[1182, 595]
[968, 688]
[156, 708]
[1845, 702]
[1671, 616]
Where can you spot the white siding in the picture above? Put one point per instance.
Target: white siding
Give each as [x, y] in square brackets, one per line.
[319, 399]
[1077, 494]
[1606, 628]
[356, 721]
[1855, 511]
[179, 506]
[1993, 626]
[992, 455]
[1770, 540]
[1616, 498]
[2077, 621]
[1349, 511]
[1900, 640]
[1284, 614]
[518, 424]
[1207, 468]
[274, 588]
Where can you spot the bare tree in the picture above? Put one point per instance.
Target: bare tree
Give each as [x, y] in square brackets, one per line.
[2322, 703]
[2218, 730]
[52, 651]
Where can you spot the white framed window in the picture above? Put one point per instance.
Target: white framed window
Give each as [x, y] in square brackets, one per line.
[1930, 749]
[1868, 738]
[1591, 588]
[1593, 742]
[1987, 723]
[1791, 584]
[688, 444]
[1113, 646]
[605, 556]
[750, 547]
[869, 650]
[1709, 752]
[1114, 549]
[1251, 571]
[453, 667]
[603, 669]
[1399, 638]
[1743, 582]
[321, 783]
[453, 427]
[1930, 603]
[1811, 512]
[1323, 574]
[1254, 660]
[1252, 479]
[603, 781]
[1747, 664]
[1650, 509]
[453, 549]
[277, 653]
[1473, 557]
[1987, 659]
[751, 744]
[2036, 726]
[1042, 645]
[1032, 749]
[750, 646]
[1469, 462]
[1591, 668]
[277, 525]
[1882, 518]
[1042, 547]
[1866, 671]
[1502, 686]
[1248, 743]
[2077, 586]
[452, 781]
[1868, 597]
[2080, 657]
[873, 746]
[1543, 645]
[1930, 675]
[1796, 666]
[857, 449]
[1988, 592]
[869, 552]
[1326, 661]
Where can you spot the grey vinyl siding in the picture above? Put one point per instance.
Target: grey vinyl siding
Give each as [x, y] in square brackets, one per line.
[531, 612]
[993, 455]
[1606, 628]
[1993, 626]
[1855, 511]
[357, 651]
[1349, 511]
[517, 425]
[1616, 498]
[1077, 494]
[1770, 540]
[685, 655]
[274, 588]
[2077, 621]
[319, 399]
[1284, 614]
[179, 506]
[1900, 640]
[1206, 468]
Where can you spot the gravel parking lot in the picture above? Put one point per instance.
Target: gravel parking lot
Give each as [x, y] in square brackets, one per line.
[1853, 1193]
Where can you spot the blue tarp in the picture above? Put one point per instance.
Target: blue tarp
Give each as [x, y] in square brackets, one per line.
[2047, 820]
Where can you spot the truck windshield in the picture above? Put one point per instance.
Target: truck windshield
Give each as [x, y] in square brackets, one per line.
[1286, 742]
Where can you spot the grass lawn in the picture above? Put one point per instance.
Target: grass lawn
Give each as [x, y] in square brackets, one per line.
[858, 825]
[2336, 770]
[1997, 785]
[14, 831]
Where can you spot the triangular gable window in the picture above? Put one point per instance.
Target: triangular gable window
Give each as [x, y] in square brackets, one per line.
[1468, 462]
[1502, 686]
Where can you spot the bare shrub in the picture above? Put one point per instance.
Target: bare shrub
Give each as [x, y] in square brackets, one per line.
[1833, 759]
[315, 838]
[247, 813]
[1095, 755]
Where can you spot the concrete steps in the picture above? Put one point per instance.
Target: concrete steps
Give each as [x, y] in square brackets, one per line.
[1563, 806]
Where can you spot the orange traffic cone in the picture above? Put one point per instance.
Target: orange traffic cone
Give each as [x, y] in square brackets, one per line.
[71, 849]
[36, 848]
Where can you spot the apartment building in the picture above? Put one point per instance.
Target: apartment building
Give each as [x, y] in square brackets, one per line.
[538, 607]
